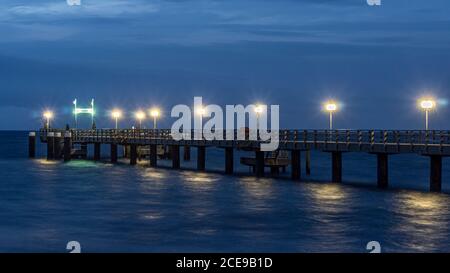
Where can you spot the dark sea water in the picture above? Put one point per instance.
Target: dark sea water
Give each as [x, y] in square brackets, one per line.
[119, 208]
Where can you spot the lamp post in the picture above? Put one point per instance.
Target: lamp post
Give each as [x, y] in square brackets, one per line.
[331, 107]
[200, 111]
[48, 115]
[75, 113]
[116, 115]
[427, 105]
[258, 110]
[154, 113]
[140, 115]
[77, 110]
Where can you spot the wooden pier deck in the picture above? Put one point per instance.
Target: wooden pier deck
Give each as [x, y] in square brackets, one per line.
[382, 143]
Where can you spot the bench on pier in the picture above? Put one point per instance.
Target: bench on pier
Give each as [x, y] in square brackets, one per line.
[275, 160]
[144, 151]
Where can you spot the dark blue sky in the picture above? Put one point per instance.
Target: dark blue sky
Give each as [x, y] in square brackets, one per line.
[135, 54]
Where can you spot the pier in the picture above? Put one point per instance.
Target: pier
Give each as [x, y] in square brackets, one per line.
[380, 143]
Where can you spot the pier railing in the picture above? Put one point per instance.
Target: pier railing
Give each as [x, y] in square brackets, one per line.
[393, 141]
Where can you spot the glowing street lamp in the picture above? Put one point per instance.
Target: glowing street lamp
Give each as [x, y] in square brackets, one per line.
[258, 110]
[331, 107]
[201, 111]
[116, 114]
[140, 115]
[427, 105]
[77, 110]
[154, 113]
[48, 115]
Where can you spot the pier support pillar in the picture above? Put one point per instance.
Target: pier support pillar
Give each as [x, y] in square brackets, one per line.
[113, 153]
[259, 164]
[186, 153]
[50, 145]
[153, 155]
[308, 162]
[175, 149]
[229, 160]
[382, 170]
[67, 150]
[133, 154]
[84, 150]
[97, 151]
[336, 161]
[57, 145]
[32, 145]
[435, 173]
[168, 148]
[201, 158]
[296, 164]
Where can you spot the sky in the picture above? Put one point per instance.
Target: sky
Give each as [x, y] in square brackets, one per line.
[376, 61]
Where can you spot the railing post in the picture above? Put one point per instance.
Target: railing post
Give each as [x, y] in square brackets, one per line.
[315, 138]
[385, 139]
[372, 139]
[295, 139]
[305, 138]
[397, 140]
[347, 139]
[360, 138]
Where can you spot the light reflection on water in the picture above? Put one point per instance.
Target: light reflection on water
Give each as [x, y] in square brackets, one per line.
[154, 174]
[199, 178]
[86, 164]
[199, 191]
[46, 162]
[424, 219]
[257, 188]
[203, 211]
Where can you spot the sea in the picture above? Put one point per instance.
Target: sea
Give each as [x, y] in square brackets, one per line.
[44, 205]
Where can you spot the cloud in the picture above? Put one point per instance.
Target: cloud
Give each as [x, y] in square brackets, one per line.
[102, 8]
[193, 22]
